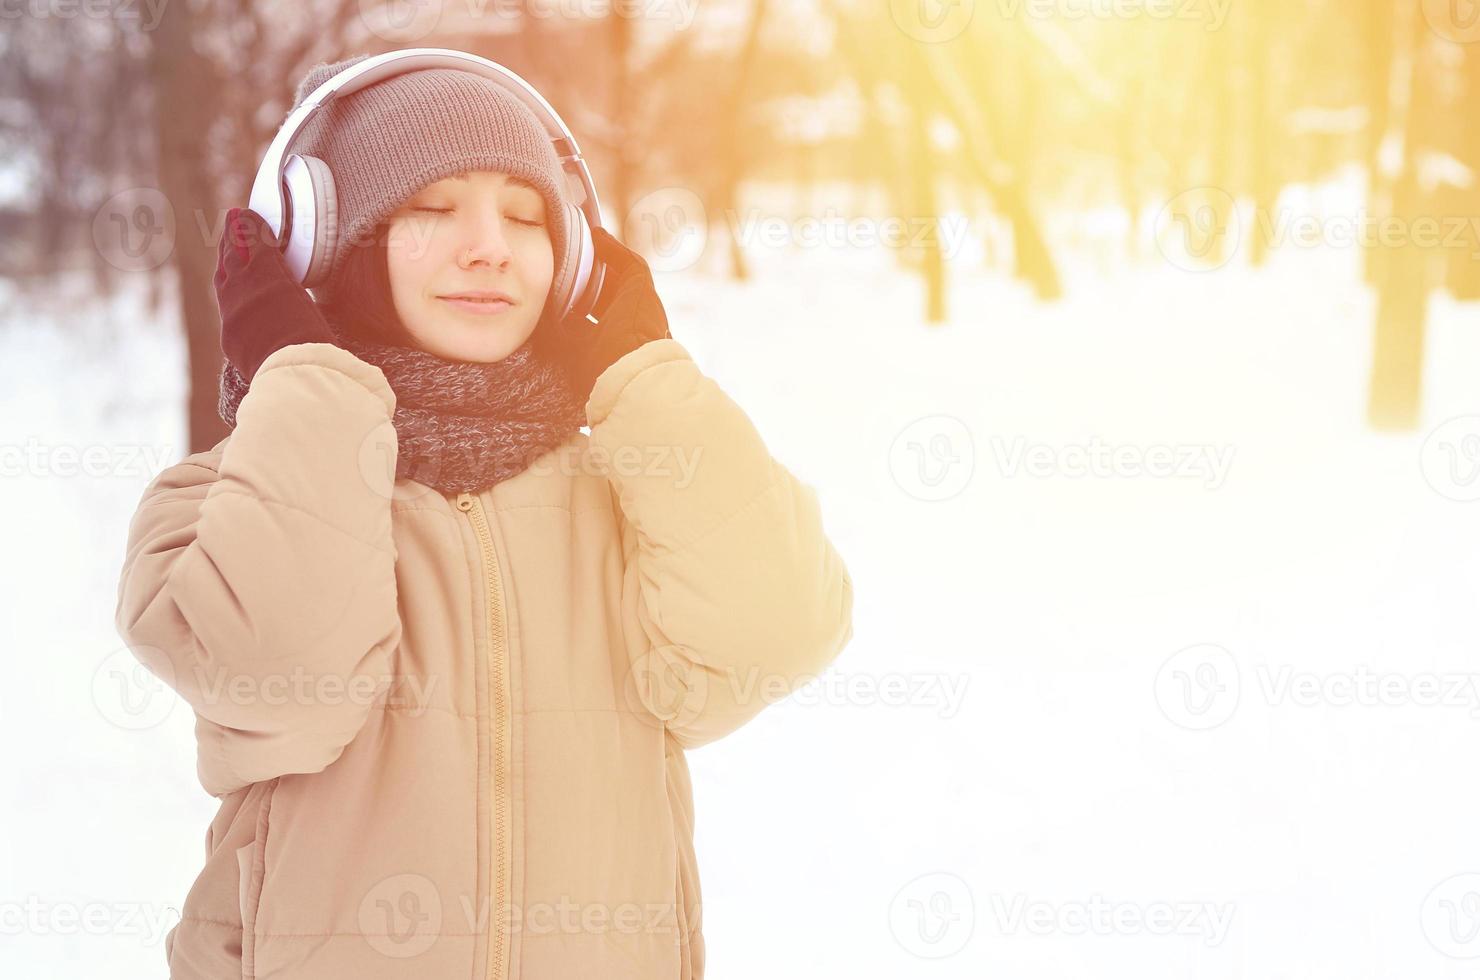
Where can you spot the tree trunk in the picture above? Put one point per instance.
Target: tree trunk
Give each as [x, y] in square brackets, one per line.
[619, 36]
[1463, 273]
[1395, 397]
[1403, 282]
[971, 106]
[1379, 26]
[1264, 178]
[1221, 85]
[733, 134]
[922, 197]
[179, 76]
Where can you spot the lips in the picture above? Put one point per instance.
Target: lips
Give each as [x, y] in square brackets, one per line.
[480, 296]
[484, 302]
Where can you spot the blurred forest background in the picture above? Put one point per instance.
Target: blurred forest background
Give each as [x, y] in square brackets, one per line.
[129, 129]
[1069, 247]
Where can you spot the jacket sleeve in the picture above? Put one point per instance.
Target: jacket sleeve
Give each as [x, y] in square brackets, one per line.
[732, 595]
[259, 577]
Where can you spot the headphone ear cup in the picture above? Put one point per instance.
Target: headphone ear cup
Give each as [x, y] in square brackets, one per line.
[580, 266]
[312, 212]
[567, 276]
[326, 224]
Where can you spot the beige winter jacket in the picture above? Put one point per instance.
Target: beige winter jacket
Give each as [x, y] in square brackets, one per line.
[448, 732]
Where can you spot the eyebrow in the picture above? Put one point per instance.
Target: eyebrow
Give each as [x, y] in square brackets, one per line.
[508, 178]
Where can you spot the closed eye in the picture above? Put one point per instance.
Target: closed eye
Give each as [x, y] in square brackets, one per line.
[517, 221]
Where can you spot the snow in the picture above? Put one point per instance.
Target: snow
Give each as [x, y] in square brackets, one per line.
[874, 825]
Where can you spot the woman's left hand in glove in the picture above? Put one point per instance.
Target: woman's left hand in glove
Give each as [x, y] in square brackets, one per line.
[628, 312]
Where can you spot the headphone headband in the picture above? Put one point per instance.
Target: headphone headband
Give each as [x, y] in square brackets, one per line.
[268, 197]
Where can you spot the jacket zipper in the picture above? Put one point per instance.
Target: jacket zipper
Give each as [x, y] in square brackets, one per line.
[472, 505]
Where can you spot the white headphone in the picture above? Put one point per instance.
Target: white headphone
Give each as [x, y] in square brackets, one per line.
[302, 187]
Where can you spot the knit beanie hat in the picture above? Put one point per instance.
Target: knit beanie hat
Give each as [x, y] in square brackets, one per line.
[389, 140]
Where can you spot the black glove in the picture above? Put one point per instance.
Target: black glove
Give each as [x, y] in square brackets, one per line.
[628, 312]
[263, 308]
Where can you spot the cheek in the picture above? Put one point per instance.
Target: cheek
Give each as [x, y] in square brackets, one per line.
[539, 264]
[407, 259]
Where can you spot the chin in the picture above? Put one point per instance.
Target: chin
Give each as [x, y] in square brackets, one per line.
[479, 343]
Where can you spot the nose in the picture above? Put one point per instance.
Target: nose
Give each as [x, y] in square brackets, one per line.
[486, 244]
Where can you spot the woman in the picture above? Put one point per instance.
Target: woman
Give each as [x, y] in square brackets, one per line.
[445, 649]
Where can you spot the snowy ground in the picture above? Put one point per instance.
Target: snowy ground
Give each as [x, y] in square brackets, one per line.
[1119, 725]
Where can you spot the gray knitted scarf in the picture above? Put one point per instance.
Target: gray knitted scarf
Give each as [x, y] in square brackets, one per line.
[459, 425]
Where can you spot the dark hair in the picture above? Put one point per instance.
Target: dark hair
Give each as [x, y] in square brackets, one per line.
[361, 300]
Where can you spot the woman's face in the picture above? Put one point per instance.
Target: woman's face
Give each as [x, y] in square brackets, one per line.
[478, 232]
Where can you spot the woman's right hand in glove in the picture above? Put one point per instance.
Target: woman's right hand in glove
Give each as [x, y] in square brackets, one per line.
[628, 311]
[263, 308]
